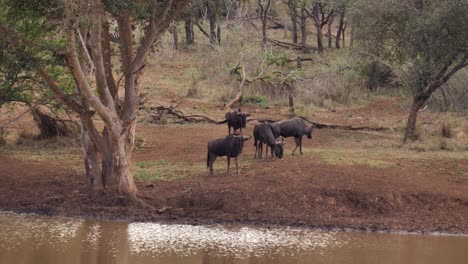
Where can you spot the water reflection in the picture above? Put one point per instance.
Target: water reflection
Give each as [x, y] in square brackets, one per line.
[33, 239]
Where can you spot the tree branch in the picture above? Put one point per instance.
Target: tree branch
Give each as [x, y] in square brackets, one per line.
[96, 27]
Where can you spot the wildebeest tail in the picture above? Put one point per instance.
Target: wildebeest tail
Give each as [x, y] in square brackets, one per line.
[208, 159]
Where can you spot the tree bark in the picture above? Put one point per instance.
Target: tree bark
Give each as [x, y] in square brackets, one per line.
[212, 16]
[291, 104]
[351, 35]
[329, 31]
[293, 15]
[263, 18]
[410, 130]
[304, 28]
[189, 33]
[340, 30]
[91, 162]
[318, 26]
[175, 35]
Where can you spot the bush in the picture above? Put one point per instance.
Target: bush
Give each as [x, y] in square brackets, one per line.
[256, 100]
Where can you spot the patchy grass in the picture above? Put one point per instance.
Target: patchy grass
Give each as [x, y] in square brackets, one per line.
[350, 157]
[161, 170]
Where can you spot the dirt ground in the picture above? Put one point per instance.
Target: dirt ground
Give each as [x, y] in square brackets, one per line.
[345, 179]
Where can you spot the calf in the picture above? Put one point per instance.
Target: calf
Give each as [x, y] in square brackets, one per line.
[230, 146]
[263, 133]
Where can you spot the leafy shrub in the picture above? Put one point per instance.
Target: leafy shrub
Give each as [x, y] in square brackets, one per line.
[256, 100]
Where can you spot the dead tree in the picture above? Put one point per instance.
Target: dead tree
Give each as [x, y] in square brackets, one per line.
[240, 93]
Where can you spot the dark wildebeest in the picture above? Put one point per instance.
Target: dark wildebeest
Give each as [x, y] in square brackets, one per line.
[230, 146]
[263, 133]
[235, 119]
[294, 127]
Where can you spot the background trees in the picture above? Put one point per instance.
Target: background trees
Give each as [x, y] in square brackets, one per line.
[424, 41]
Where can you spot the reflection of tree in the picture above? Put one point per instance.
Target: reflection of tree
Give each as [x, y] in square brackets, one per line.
[113, 246]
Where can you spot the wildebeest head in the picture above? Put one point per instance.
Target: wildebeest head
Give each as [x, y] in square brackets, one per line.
[278, 148]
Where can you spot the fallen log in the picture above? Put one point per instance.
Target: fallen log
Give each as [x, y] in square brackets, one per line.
[319, 125]
[178, 116]
[159, 111]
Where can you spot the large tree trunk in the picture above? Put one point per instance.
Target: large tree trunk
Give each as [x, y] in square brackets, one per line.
[291, 104]
[213, 22]
[189, 33]
[351, 35]
[340, 30]
[175, 35]
[410, 130]
[121, 165]
[329, 31]
[318, 26]
[91, 162]
[263, 17]
[293, 15]
[304, 28]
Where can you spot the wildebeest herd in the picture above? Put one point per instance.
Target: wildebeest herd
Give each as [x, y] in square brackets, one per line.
[271, 134]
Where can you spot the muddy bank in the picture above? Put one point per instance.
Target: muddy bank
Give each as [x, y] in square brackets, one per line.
[319, 198]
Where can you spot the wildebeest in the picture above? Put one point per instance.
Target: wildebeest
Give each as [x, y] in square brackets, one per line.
[230, 146]
[263, 133]
[294, 127]
[236, 119]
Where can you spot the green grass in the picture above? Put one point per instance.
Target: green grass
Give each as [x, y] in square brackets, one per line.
[350, 157]
[161, 170]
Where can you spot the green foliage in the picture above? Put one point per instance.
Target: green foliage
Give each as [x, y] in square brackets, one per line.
[137, 9]
[31, 21]
[255, 100]
[422, 39]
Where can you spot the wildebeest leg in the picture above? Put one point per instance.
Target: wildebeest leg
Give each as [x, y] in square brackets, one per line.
[228, 164]
[237, 166]
[229, 130]
[210, 163]
[261, 150]
[266, 151]
[300, 145]
[256, 148]
[297, 144]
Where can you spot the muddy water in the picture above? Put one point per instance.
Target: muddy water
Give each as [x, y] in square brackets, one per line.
[37, 239]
